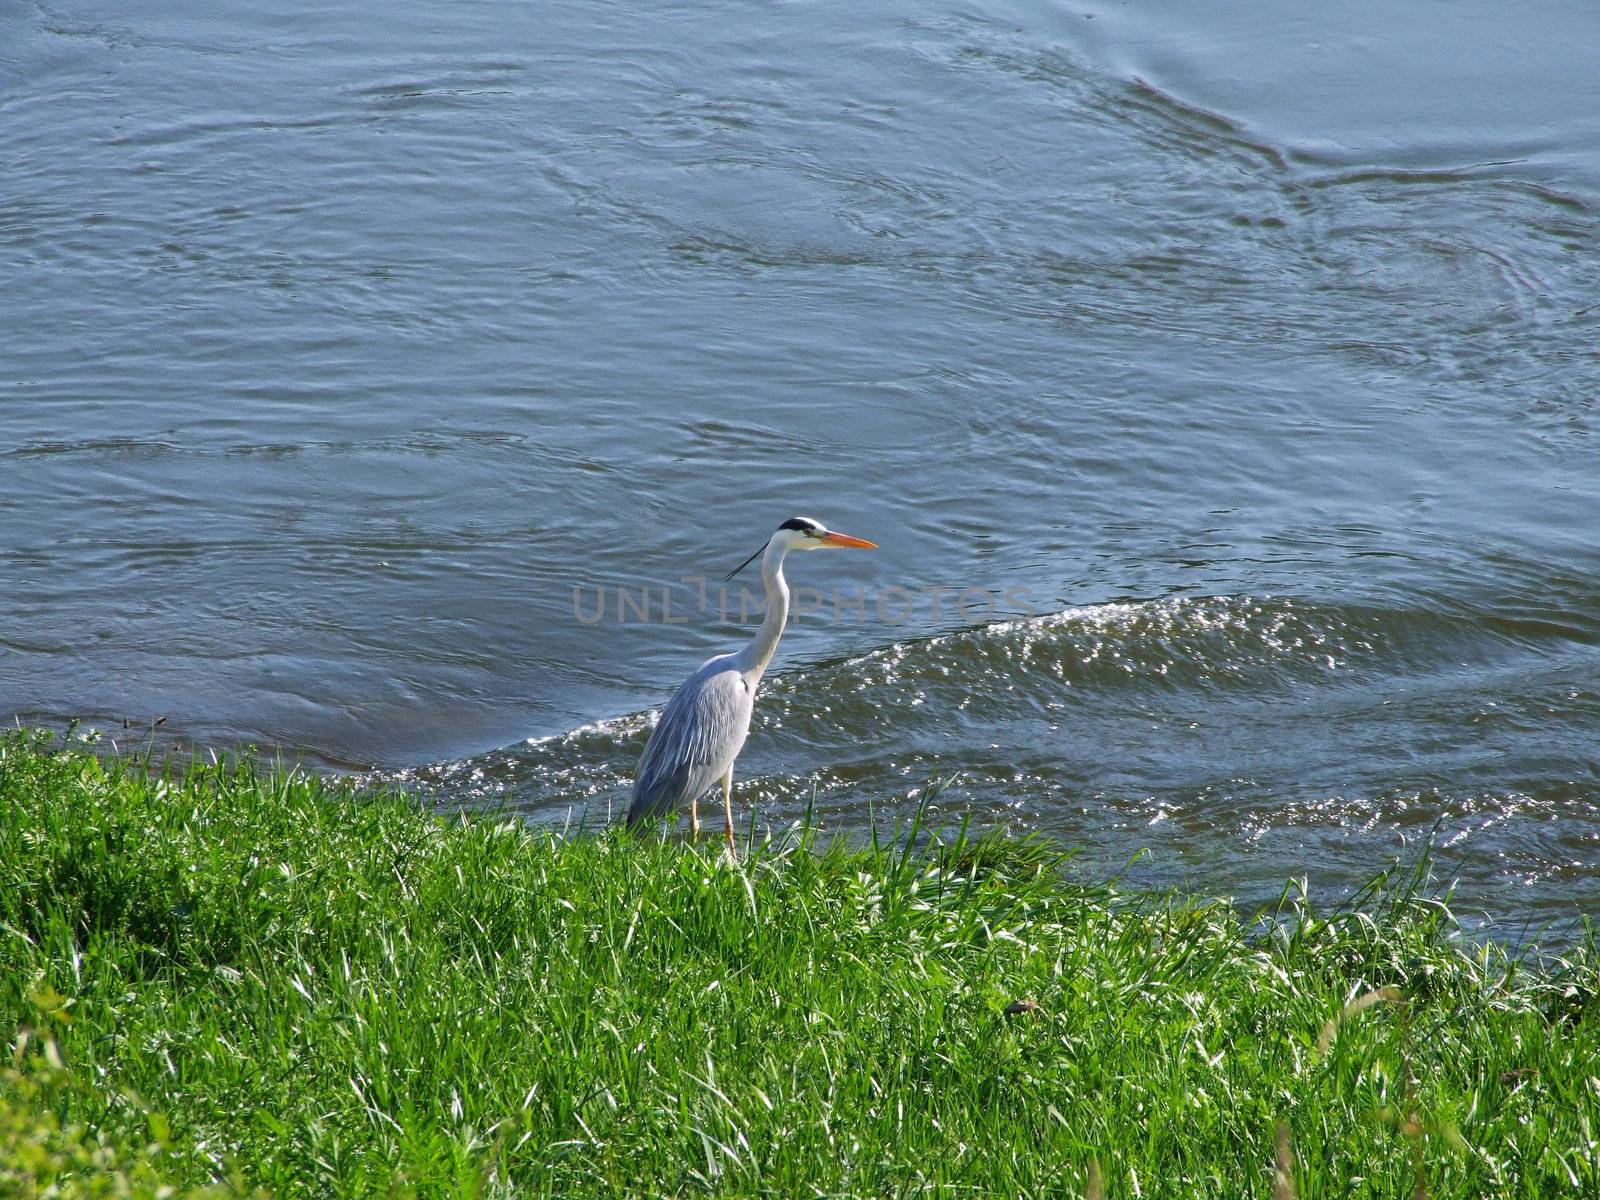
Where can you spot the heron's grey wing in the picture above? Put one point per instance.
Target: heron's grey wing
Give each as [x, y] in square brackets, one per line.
[700, 733]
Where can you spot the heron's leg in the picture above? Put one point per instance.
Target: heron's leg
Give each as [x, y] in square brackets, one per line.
[727, 811]
[694, 817]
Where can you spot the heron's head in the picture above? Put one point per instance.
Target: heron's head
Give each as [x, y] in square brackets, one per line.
[802, 533]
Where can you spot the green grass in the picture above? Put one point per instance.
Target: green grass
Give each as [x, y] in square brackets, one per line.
[256, 977]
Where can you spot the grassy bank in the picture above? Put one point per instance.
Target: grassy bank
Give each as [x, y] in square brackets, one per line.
[254, 978]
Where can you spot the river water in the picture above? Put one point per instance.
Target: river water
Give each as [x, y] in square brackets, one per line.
[1221, 389]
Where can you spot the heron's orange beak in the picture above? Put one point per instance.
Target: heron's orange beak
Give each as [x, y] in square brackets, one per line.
[844, 539]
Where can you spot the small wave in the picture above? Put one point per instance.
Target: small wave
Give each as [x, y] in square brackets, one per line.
[1205, 645]
[1037, 669]
[1200, 640]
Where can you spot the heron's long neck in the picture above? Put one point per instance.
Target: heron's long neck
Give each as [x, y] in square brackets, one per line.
[753, 659]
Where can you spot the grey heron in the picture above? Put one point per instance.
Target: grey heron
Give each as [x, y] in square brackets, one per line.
[703, 727]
